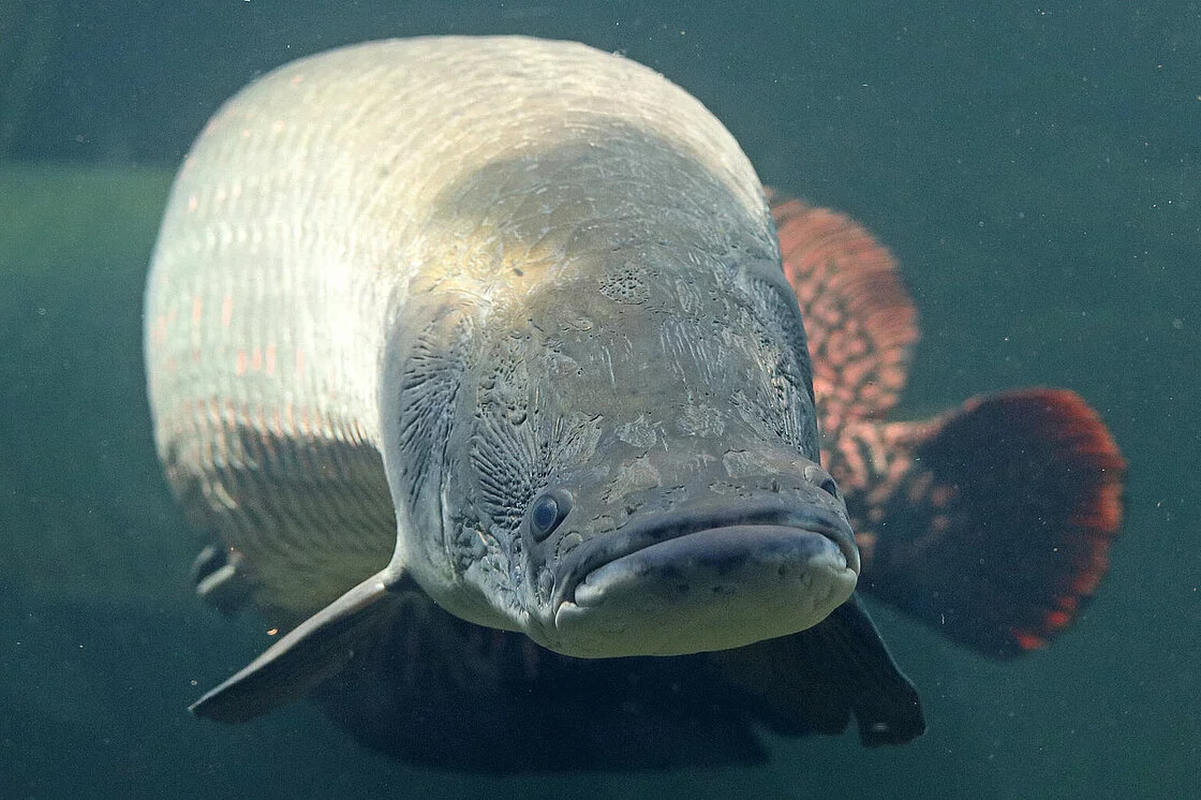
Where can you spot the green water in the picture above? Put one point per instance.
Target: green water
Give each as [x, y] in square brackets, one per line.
[1034, 167]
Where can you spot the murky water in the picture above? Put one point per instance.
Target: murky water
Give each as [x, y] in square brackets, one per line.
[1034, 168]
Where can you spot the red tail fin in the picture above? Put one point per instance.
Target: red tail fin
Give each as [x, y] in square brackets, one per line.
[991, 522]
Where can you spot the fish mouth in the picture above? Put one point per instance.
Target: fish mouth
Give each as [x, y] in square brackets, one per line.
[704, 579]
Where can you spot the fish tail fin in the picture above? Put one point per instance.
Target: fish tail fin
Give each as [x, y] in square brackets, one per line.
[992, 522]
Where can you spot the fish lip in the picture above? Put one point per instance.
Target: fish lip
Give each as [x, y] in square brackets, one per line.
[656, 528]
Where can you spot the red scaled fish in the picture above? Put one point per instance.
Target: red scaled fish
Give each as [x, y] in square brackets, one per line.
[991, 522]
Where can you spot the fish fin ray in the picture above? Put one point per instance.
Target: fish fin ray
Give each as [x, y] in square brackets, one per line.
[302, 659]
[859, 318]
[992, 522]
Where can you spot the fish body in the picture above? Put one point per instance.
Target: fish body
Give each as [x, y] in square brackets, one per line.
[480, 361]
[501, 320]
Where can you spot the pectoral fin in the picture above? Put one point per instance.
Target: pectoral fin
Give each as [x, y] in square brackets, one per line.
[306, 656]
[885, 702]
[813, 681]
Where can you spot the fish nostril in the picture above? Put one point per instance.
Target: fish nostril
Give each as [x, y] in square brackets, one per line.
[822, 480]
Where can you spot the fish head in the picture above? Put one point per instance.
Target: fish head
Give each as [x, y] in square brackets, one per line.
[685, 550]
[632, 468]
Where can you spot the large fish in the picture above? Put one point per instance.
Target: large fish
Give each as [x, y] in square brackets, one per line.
[477, 359]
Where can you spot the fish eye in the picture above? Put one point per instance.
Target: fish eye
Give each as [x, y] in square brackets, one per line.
[547, 512]
[829, 487]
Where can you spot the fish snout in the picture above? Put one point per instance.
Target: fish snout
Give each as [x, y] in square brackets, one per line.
[714, 562]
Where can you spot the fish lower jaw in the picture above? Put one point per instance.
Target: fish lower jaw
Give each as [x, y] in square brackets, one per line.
[712, 590]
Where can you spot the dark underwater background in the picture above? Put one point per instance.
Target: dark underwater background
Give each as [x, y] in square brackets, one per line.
[1034, 166]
